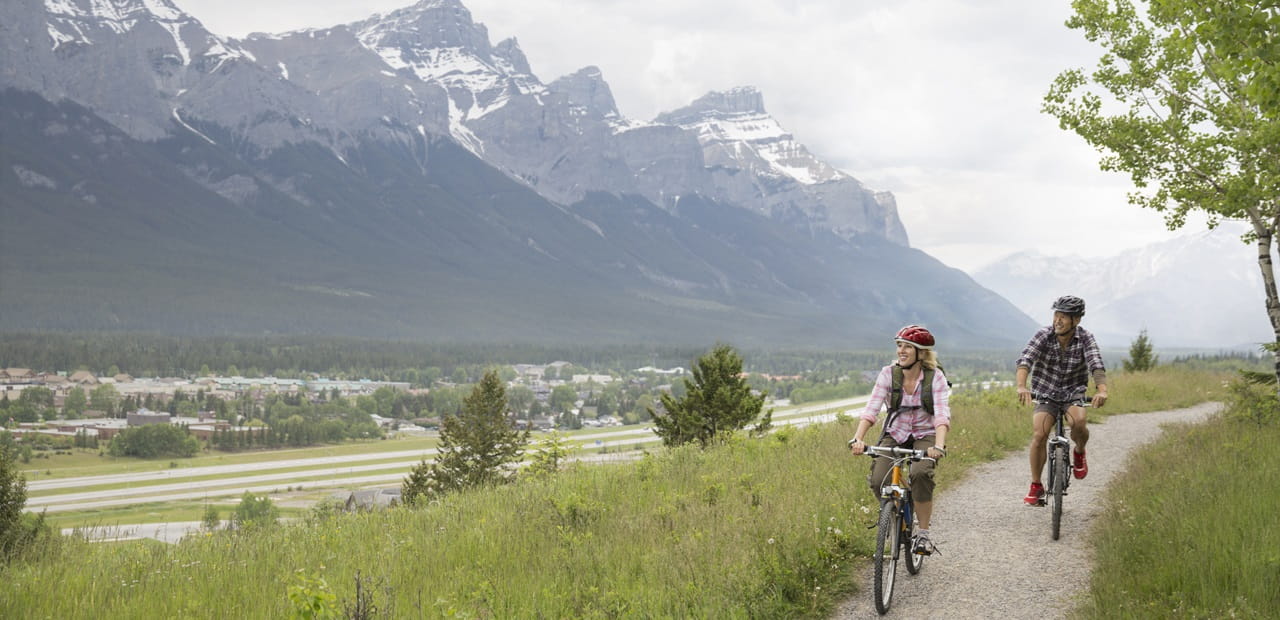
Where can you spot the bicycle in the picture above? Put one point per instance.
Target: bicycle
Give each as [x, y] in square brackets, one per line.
[896, 528]
[1059, 459]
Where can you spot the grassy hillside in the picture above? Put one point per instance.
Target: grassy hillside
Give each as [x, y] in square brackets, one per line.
[769, 527]
[1192, 529]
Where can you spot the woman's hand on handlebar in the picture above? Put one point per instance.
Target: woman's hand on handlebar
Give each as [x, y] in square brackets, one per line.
[857, 446]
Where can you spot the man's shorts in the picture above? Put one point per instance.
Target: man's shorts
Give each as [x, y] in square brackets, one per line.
[1053, 408]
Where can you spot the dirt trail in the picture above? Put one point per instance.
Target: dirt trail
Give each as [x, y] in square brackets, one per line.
[995, 551]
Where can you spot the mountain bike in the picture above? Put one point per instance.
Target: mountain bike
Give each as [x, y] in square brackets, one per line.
[896, 527]
[1059, 459]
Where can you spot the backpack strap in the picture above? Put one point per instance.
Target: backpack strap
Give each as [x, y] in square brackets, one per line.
[926, 391]
[895, 390]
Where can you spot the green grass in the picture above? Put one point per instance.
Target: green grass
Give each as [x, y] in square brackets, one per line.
[766, 527]
[1192, 532]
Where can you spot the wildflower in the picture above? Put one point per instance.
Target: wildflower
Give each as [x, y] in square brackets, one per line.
[771, 541]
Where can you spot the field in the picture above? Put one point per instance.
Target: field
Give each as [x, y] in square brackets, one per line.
[759, 527]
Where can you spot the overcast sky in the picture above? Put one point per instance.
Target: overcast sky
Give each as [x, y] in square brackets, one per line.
[937, 101]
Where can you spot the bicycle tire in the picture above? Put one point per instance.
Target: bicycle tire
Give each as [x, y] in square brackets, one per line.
[915, 561]
[886, 556]
[1058, 483]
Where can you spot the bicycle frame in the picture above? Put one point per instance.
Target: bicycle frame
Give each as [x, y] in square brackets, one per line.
[896, 511]
[1058, 459]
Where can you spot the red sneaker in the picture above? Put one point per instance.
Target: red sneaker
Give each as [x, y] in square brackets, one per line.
[1035, 497]
[1079, 467]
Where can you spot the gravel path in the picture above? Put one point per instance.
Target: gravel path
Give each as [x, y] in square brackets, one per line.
[994, 549]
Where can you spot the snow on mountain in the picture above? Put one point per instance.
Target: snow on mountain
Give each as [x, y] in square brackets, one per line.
[74, 22]
[438, 42]
[733, 127]
[1201, 289]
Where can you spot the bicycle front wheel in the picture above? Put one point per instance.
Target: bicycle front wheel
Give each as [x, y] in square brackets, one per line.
[886, 555]
[915, 561]
[1058, 485]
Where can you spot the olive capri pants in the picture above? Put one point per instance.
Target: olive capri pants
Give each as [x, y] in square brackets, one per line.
[921, 471]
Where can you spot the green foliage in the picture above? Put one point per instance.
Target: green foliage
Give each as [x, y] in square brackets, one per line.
[19, 532]
[747, 529]
[153, 441]
[1190, 528]
[549, 452]
[254, 512]
[312, 599]
[211, 519]
[475, 448]
[104, 398]
[1141, 354]
[1252, 398]
[13, 497]
[717, 402]
[75, 403]
[1198, 86]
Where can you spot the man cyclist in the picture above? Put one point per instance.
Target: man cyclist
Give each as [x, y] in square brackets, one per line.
[1059, 359]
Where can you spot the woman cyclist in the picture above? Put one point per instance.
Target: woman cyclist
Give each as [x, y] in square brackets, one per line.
[916, 419]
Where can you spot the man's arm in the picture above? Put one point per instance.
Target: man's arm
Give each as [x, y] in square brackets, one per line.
[1024, 394]
[1093, 358]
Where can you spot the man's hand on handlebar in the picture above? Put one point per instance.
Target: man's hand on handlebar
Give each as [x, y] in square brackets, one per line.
[1024, 395]
[1099, 399]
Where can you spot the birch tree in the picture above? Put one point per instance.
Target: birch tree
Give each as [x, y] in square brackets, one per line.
[1186, 100]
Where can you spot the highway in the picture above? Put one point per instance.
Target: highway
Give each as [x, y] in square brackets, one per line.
[334, 472]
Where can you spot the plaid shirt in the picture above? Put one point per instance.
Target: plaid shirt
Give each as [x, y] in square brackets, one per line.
[1062, 374]
[913, 421]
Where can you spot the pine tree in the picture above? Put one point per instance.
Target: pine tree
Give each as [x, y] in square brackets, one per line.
[476, 446]
[1141, 354]
[717, 402]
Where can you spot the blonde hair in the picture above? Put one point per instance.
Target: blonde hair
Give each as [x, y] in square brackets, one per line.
[928, 358]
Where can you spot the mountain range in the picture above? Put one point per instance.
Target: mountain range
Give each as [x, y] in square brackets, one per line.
[403, 177]
[1201, 289]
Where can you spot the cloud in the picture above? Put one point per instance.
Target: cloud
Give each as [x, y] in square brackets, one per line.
[937, 101]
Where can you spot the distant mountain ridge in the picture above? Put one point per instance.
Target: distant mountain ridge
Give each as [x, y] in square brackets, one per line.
[1201, 289]
[402, 177]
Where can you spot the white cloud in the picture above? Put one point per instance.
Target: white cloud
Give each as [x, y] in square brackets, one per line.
[937, 101]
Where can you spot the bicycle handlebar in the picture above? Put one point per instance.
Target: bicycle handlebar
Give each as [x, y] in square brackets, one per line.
[888, 451]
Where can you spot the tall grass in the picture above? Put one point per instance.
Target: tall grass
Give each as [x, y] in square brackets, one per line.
[765, 527]
[1192, 529]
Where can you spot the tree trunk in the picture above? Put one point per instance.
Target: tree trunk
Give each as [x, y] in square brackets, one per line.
[1273, 301]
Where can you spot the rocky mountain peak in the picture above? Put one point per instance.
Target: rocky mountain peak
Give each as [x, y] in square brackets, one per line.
[509, 50]
[586, 88]
[743, 100]
[411, 34]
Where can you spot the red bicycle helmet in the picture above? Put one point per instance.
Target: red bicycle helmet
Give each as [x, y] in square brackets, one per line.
[915, 335]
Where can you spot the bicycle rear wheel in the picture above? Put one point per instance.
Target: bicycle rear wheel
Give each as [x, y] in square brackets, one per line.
[886, 555]
[1058, 484]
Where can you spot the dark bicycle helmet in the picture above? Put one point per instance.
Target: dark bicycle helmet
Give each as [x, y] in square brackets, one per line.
[915, 335]
[1069, 304]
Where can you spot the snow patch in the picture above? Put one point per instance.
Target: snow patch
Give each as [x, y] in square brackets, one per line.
[190, 128]
[284, 71]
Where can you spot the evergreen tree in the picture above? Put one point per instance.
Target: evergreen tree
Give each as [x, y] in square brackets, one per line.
[1141, 354]
[476, 446]
[13, 497]
[718, 401]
